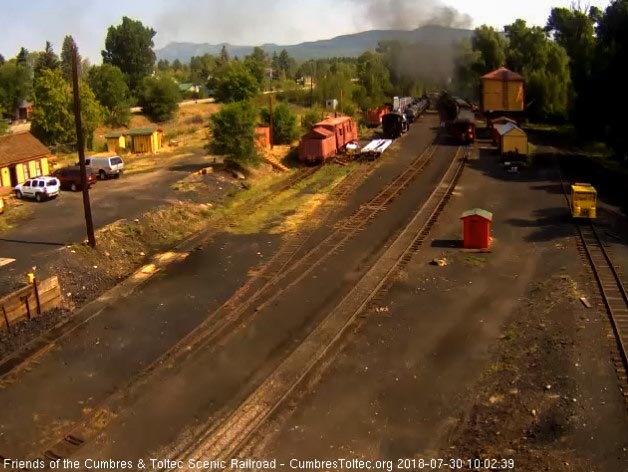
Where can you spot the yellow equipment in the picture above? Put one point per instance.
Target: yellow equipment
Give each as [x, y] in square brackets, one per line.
[583, 201]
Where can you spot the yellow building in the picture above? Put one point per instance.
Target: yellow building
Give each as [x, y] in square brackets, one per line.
[22, 156]
[512, 139]
[145, 140]
[115, 142]
[502, 90]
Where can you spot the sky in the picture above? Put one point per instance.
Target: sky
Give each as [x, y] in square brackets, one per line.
[246, 22]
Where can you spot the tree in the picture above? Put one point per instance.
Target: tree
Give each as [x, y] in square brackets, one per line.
[234, 83]
[53, 113]
[159, 97]
[545, 64]
[224, 57]
[233, 132]
[129, 46]
[286, 64]
[2, 60]
[374, 78]
[608, 75]
[15, 84]
[285, 127]
[52, 120]
[66, 57]
[201, 68]
[256, 64]
[91, 114]
[47, 59]
[492, 48]
[574, 30]
[22, 56]
[112, 92]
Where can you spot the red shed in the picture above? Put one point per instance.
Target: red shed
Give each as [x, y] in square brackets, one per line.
[477, 228]
[318, 145]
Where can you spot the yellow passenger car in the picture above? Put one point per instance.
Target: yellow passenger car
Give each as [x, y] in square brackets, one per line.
[583, 200]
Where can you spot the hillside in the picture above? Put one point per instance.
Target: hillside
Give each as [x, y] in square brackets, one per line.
[350, 45]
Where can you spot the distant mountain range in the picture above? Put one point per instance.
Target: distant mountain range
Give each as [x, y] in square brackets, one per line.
[349, 45]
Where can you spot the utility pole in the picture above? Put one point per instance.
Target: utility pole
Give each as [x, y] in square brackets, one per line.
[341, 100]
[270, 101]
[80, 142]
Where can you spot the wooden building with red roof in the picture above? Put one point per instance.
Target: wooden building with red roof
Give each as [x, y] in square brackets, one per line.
[502, 91]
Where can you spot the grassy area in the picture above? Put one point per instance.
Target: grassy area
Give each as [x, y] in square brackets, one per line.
[14, 213]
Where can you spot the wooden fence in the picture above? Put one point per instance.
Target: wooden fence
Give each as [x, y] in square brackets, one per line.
[29, 301]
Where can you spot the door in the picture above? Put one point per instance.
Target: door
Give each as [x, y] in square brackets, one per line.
[27, 189]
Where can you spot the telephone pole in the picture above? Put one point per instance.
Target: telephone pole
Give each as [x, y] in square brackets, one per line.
[80, 142]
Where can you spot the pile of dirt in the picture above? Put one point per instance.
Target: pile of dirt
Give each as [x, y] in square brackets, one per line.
[527, 402]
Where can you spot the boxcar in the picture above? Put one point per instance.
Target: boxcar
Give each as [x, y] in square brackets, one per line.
[583, 201]
[327, 138]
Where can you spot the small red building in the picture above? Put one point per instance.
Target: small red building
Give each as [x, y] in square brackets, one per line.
[476, 225]
[327, 138]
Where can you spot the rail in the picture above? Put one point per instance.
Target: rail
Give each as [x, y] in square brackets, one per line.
[227, 438]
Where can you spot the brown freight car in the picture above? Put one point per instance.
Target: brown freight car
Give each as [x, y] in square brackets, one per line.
[327, 138]
[318, 145]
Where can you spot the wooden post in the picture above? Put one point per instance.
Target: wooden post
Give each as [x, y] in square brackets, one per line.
[28, 308]
[36, 288]
[81, 150]
[6, 319]
[270, 100]
[341, 101]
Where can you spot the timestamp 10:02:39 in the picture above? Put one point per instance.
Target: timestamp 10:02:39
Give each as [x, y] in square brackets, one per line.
[456, 464]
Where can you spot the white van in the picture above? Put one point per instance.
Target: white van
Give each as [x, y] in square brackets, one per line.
[105, 167]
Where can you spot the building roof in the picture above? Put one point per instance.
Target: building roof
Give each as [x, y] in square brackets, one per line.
[141, 131]
[502, 74]
[20, 147]
[500, 120]
[333, 121]
[487, 215]
[507, 128]
[113, 135]
[24, 104]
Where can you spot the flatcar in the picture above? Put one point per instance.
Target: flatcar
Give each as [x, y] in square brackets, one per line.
[394, 124]
[583, 201]
[327, 138]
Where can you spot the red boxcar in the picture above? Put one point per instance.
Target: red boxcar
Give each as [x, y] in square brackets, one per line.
[318, 145]
[327, 138]
[374, 116]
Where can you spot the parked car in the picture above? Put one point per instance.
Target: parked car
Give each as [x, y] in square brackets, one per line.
[1, 205]
[70, 178]
[105, 167]
[39, 188]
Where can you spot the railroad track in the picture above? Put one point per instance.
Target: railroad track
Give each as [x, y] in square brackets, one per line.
[611, 290]
[228, 437]
[613, 294]
[278, 275]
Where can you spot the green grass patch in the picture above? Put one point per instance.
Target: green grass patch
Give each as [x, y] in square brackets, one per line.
[475, 261]
[284, 211]
[13, 214]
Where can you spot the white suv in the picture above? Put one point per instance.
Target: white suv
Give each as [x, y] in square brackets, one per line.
[105, 167]
[40, 188]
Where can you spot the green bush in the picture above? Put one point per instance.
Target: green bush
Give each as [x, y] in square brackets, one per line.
[233, 131]
[285, 129]
[159, 97]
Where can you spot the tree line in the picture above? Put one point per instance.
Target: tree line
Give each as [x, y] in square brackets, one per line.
[573, 67]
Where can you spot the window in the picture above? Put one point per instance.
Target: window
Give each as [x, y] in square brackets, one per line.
[27, 183]
[37, 168]
[116, 160]
[25, 171]
[41, 183]
[51, 182]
